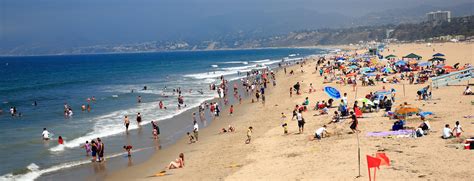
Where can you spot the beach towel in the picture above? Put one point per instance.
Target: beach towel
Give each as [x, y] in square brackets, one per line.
[390, 133]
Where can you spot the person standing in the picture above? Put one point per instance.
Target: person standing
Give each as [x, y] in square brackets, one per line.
[354, 123]
[249, 135]
[126, 122]
[45, 134]
[139, 118]
[101, 149]
[196, 130]
[299, 117]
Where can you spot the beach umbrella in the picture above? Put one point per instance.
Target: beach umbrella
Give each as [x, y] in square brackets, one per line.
[369, 74]
[351, 74]
[438, 55]
[352, 60]
[424, 114]
[365, 69]
[353, 67]
[448, 67]
[422, 64]
[400, 63]
[407, 110]
[382, 92]
[391, 56]
[367, 101]
[340, 61]
[332, 92]
[387, 70]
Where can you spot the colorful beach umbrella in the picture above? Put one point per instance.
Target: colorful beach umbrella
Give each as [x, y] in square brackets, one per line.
[387, 70]
[366, 101]
[351, 74]
[407, 110]
[332, 92]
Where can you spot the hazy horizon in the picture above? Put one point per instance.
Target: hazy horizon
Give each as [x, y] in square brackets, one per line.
[67, 23]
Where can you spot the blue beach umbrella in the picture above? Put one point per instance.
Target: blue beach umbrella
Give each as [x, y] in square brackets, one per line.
[332, 92]
[365, 69]
[424, 114]
[424, 64]
[370, 74]
[400, 63]
[382, 92]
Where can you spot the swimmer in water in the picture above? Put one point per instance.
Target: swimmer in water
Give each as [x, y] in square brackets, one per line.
[45, 134]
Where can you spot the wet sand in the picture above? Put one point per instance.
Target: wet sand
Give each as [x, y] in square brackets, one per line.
[274, 156]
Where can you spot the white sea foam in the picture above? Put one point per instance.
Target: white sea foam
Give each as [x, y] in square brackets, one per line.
[215, 66]
[261, 61]
[236, 62]
[112, 123]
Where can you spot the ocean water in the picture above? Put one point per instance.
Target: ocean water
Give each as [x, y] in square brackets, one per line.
[115, 80]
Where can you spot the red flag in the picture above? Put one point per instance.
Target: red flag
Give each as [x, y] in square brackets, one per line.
[373, 162]
[384, 159]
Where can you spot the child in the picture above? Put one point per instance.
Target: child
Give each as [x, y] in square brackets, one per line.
[87, 147]
[231, 109]
[155, 134]
[249, 135]
[285, 128]
[128, 148]
[60, 140]
[231, 128]
[458, 129]
[291, 91]
[191, 138]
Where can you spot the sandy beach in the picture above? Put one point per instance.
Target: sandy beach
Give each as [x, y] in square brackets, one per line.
[272, 155]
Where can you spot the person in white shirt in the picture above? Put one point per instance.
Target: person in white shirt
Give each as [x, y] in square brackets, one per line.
[45, 134]
[319, 133]
[447, 133]
[344, 99]
[196, 130]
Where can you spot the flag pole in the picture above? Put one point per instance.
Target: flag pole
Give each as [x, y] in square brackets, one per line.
[358, 155]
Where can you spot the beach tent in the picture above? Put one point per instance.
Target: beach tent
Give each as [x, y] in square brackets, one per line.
[438, 55]
[390, 56]
[412, 55]
[437, 59]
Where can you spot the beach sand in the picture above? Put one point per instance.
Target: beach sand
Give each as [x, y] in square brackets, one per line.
[274, 156]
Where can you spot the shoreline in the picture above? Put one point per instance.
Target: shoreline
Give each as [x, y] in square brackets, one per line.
[225, 156]
[84, 168]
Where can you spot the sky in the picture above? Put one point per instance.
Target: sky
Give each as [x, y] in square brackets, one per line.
[72, 23]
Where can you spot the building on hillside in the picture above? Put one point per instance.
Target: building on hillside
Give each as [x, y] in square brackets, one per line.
[439, 16]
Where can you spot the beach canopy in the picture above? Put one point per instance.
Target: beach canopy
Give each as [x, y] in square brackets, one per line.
[437, 59]
[438, 55]
[332, 92]
[390, 56]
[412, 55]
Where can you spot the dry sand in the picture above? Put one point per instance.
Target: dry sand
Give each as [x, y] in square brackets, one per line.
[274, 156]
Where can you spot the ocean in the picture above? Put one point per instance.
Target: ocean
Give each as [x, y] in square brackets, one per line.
[115, 80]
